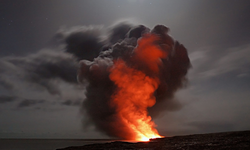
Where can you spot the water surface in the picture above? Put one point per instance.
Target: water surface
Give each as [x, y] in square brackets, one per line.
[44, 144]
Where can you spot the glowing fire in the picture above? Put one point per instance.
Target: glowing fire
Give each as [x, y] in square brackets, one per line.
[135, 91]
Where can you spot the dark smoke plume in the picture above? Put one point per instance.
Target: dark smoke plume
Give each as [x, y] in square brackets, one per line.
[96, 50]
[120, 44]
[39, 69]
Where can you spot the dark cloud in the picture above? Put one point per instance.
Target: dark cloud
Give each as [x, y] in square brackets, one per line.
[6, 99]
[98, 49]
[5, 84]
[40, 69]
[72, 103]
[119, 31]
[87, 42]
[82, 42]
[29, 102]
[137, 31]
[100, 88]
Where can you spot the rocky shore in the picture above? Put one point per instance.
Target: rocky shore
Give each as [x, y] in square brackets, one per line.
[239, 140]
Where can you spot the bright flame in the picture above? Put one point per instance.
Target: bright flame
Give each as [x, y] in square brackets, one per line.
[135, 91]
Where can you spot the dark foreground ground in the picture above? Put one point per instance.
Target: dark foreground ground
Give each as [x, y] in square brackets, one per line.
[213, 141]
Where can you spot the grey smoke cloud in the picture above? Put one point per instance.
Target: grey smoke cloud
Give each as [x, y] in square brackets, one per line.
[6, 99]
[83, 42]
[29, 102]
[49, 75]
[72, 103]
[39, 69]
[96, 49]
[96, 107]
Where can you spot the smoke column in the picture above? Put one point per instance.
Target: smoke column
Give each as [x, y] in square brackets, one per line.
[136, 71]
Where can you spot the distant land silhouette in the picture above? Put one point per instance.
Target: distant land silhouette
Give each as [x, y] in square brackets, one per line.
[239, 140]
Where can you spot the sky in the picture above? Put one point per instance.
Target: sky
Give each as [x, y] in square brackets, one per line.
[40, 103]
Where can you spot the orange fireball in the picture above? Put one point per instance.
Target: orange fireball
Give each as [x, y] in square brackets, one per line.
[135, 90]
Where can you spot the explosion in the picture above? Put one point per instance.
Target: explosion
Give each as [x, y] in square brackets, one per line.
[132, 76]
[136, 90]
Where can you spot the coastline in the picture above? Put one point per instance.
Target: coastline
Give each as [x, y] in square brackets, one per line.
[237, 140]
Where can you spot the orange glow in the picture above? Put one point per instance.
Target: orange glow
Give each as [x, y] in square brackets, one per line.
[135, 90]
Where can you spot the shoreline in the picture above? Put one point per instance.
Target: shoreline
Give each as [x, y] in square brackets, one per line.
[210, 141]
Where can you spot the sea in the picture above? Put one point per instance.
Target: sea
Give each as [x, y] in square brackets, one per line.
[45, 144]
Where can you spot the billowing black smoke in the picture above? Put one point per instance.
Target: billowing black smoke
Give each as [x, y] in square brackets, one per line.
[97, 55]
[96, 49]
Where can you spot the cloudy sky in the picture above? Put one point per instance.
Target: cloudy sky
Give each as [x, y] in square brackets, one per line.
[39, 93]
